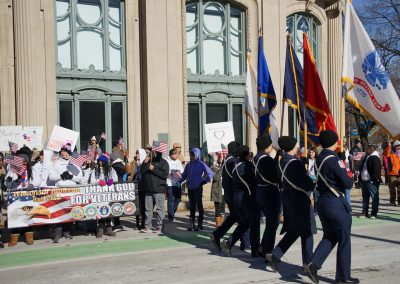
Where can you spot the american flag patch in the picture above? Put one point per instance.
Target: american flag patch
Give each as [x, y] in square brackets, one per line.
[160, 147]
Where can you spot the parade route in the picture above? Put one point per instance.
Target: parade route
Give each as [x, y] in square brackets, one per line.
[179, 256]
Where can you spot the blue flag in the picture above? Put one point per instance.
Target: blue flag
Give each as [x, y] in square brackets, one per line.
[266, 92]
[293, 94]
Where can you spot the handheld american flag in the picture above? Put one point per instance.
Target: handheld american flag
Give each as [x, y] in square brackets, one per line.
[160, 147]
[13, 146]
[77, 160]
[16, 164]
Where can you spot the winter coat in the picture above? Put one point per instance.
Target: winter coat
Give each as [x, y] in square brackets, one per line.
[373, 167]
[197, 172]
[60, 166]
[297, 210]
[227, 170]
[174, 167]
[119, 167]
[217, 192]
[393, 161]
[154, 181]
[40, 173]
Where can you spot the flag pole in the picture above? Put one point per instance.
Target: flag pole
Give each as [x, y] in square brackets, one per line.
[305, 133]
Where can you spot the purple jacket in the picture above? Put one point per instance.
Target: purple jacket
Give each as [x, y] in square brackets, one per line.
[197, 173]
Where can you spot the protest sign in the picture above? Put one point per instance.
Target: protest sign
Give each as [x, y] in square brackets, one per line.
[10, 134]
[218, 134]
[32, 136]
[41, 206]
[61, 136]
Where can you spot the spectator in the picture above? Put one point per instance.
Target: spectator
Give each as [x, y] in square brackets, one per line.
[355, 163]
[217, 192]
[140, 156]
[174, 190]
[154, 172]
[393, 157]
[343, 165]
[121, 151]
[311, 172]
[370, 180]
[178, 148]
[197, 173]
[94, 147]
[118, 165]
[3, 191]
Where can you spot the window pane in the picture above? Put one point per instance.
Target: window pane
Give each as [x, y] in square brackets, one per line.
[114, 10]
[214, 18]
[115, 34]
[63, 29]
[115, 59]
[237, 114]
[89, 10]
[191, 14]
[92, 121]
[117, 122]
[194, 125]
[64, 54]
[235, 64]
[192, 61]
[61, 7]
[65, 111]
[90, 50]
[216, 113]
[213, 56]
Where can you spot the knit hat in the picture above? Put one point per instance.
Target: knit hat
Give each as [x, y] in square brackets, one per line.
[66, 148]
[287, 143]
[327, 138]
[232, 147]
[103, 158]
[263, 142]
[243, 151]
[396, 143]
[93, 138]
[172, 151]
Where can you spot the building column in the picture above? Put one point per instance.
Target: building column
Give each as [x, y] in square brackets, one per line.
[335, 38]
[7, 92]
[34, 47]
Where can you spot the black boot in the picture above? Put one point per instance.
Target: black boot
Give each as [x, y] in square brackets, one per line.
[99, 231]
[57, 235]
[138, 222]
[200, 224]
[192, 226]
[109, 231]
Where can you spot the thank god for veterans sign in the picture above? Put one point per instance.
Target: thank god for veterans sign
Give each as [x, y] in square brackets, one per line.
[41, 206]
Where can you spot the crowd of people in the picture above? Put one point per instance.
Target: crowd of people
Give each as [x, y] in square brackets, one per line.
[290, 187]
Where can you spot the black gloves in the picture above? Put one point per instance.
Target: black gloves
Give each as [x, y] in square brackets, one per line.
[66, 176]
[9, 179]
[342, 156]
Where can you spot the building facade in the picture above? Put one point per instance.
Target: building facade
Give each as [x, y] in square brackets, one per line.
[154, 69]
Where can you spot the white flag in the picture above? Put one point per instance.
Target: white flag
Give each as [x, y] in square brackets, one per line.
[250, 99]
[370, 87]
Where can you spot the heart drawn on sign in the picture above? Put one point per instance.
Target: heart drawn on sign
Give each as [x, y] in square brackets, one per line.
[219, 134]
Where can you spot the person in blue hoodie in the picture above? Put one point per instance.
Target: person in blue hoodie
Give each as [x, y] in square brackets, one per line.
[196, 173]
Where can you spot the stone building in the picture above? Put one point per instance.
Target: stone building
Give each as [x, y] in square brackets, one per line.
[153, 69]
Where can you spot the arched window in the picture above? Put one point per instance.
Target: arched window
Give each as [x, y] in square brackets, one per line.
[215, 38]
[216, 62]
[296, 25]
[90, 32]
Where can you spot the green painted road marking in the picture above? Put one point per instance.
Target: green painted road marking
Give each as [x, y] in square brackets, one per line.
[175, 239]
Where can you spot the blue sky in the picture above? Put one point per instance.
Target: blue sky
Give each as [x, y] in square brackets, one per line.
[357, 3]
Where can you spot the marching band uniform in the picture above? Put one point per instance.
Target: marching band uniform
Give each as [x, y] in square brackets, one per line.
[299, 220]
[334, 212]
[267, 193]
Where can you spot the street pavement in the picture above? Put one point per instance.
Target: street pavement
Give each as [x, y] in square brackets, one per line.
[179, 256]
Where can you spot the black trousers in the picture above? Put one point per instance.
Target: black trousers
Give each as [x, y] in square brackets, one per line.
[196, 201]
[230, 220]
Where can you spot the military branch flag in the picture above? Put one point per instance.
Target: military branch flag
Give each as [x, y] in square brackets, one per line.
[266, 92]
[250, 101]
[160, 147]
[314, 95]
[293, 94]
[368, 85]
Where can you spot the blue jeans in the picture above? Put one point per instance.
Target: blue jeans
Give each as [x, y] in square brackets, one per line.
[347, 195]
[370, 189]
[174, 197]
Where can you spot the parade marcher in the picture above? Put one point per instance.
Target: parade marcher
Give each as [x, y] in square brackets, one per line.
[217, 191]
[370, 180]
[299, 220]
[393, 156]
[174, 191]
[197, 174]
[121, 151]
[227, 169]
[154, 172]
[21, 182]
[64, 174]
[245, 203]
[103, 175]
[267, 191]
[334, 212]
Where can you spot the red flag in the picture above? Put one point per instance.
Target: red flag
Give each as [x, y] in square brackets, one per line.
[314, 95]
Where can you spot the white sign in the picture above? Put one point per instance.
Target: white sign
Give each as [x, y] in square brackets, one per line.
[10, 134]
[61, 136]
[218, 134]
[32, 136]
